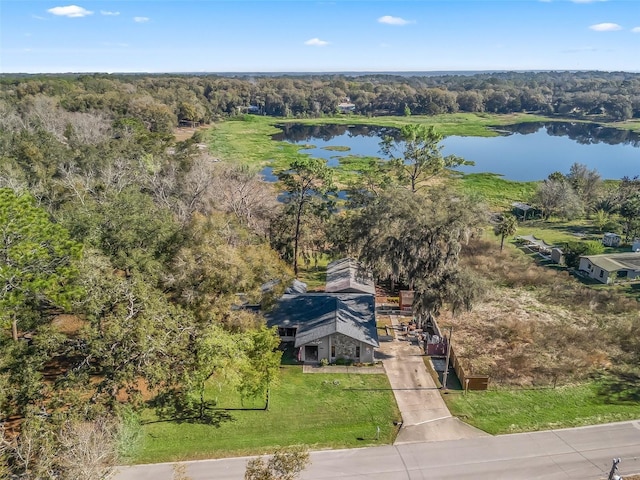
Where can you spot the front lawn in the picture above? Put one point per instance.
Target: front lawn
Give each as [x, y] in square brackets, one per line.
[318, 410]
[522, 410]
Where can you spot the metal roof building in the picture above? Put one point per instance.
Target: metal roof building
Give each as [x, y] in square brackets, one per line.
[348, 275]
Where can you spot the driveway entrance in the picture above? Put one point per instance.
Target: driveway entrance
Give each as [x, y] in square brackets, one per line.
[425, 416]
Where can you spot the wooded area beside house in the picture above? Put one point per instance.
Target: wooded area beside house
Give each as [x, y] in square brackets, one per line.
[126, 289]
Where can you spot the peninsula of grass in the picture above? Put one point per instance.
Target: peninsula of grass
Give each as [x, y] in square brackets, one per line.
[337, 148]
[318, 410]
[513, 411]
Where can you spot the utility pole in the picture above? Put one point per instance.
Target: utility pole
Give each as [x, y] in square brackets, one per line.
[446, 362]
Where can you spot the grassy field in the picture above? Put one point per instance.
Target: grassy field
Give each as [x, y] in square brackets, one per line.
[497, 192]
[318, 410]
[557, 231]
[511, 411]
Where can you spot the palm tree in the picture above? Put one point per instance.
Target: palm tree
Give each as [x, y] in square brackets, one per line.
[507, 226]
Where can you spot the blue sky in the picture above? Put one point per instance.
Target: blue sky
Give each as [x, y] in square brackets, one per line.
[317, 36]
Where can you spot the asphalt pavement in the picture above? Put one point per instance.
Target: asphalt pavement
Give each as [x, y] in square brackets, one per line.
[570, 454]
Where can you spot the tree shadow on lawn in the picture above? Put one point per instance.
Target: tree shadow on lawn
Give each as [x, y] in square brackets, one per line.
[174, 407]
[620, 387]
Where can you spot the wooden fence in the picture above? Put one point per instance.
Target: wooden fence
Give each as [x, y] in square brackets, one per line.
[468, 381]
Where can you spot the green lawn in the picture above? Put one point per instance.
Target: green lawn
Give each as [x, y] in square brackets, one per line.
[511, 411]
[314, 274]
[318, 410]
[558, 231]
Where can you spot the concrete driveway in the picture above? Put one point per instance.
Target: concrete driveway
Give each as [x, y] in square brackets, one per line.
[425, 416]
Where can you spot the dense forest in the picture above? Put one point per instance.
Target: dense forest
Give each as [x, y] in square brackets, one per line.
[125, 254]
[162, 100]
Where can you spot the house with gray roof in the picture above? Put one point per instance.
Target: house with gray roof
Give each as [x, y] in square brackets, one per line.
[607, 268]
[349, 276]
[327, 326]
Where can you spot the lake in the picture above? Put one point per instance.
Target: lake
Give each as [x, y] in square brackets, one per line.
[523, 152]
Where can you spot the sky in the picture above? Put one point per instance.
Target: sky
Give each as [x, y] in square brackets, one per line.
[58, 36]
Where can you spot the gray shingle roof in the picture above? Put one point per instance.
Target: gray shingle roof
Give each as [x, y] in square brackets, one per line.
[347, 275]
[613, 262]
[316, 315]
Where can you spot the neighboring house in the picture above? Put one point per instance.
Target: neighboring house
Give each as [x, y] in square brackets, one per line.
[609, 267]
[345, 106]
[611, 240]
[327, 326]
[348, 276]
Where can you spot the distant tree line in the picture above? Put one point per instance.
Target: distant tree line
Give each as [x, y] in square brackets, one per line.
[161, 101]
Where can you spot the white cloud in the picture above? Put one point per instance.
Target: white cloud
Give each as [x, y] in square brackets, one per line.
[140, 19]
[38, 17]
[316, 42]
[635, 29]
[389, 20]
[605, 27]
[71, 11]
[108, 13]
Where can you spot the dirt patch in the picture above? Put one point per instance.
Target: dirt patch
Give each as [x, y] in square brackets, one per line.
[68, 324]
[185, 133]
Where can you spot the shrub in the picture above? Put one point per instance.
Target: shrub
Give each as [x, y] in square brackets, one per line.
[343, 361]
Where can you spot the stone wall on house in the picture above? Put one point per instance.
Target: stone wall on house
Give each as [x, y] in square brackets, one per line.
[345, 347]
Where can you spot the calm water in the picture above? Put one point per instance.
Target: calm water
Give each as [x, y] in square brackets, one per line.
[522, 152]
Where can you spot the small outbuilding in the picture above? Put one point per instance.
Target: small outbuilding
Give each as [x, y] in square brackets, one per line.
[523, 211]
[557, 256]
[406, 300]
[611, 240]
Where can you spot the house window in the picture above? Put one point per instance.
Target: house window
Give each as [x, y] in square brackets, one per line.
[601, 273]
[358, 351]
[333, 351]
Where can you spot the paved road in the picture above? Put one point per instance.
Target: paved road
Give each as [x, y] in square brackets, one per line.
[580, 454]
